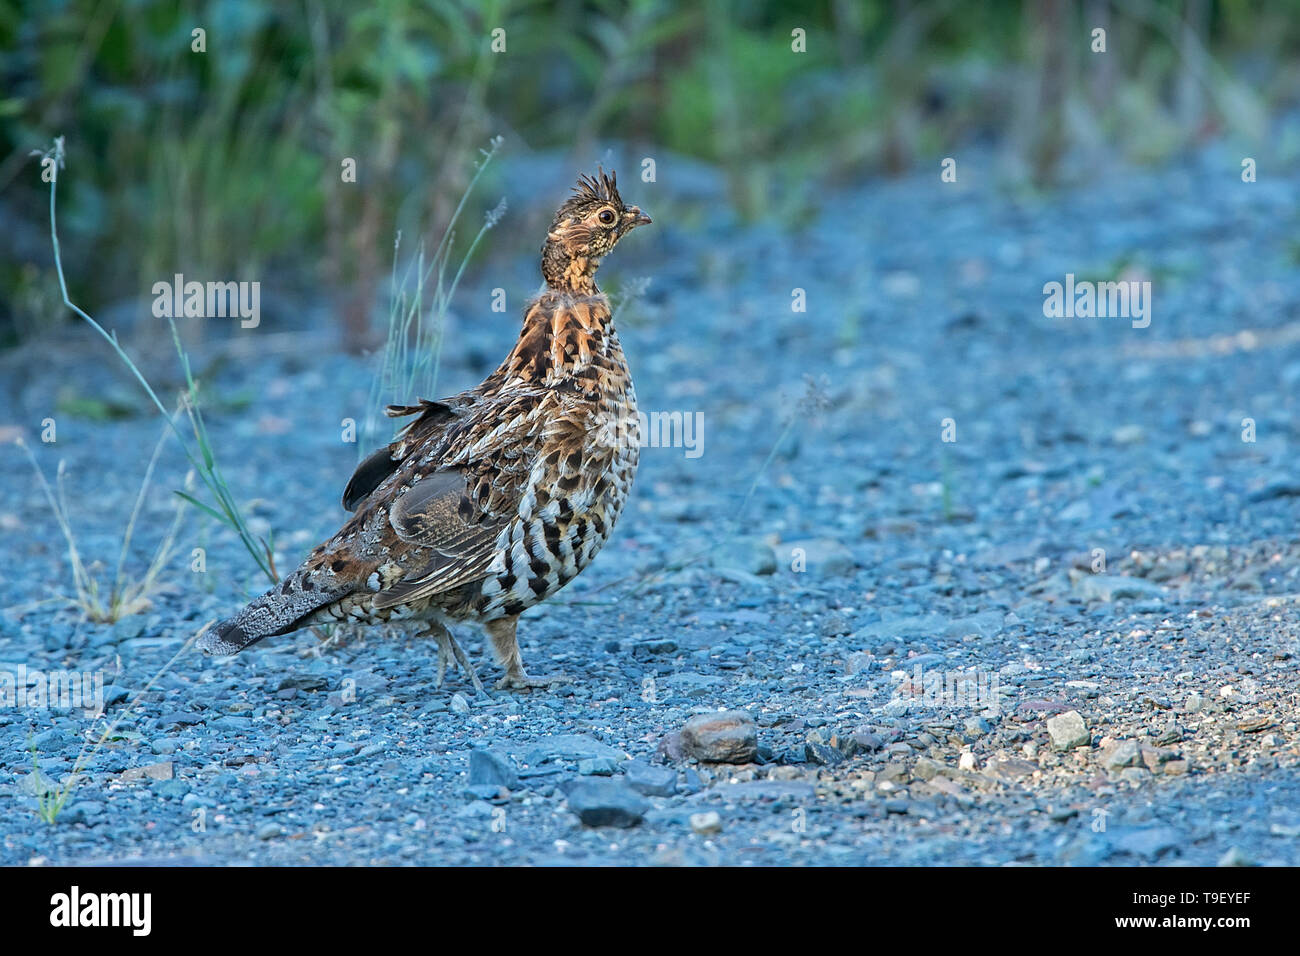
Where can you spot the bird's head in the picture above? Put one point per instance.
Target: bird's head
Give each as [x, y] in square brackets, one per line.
[586, 227]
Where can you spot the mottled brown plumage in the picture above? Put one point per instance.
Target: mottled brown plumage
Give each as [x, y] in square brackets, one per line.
[489, 501]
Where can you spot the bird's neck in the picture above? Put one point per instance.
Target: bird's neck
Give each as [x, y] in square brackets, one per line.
[566, 337]
[566, 272]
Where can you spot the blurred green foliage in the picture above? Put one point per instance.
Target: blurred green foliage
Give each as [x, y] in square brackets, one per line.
[227, 163]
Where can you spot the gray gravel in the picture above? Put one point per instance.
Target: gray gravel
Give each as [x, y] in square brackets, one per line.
[1068, 637]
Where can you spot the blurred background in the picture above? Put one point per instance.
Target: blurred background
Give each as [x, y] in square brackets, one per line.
[226, 164]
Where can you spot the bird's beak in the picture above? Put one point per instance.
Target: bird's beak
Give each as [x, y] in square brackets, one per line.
[641, 219]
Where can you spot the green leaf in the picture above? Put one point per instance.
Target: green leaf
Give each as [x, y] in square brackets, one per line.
[204, 508]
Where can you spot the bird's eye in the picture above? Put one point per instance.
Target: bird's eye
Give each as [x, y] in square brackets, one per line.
[607, 217]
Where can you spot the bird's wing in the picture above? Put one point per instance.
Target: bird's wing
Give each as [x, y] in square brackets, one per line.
[370, 474]
[473, 476]
[438, 514]
[435, 418]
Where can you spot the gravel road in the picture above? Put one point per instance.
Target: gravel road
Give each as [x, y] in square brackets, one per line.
[1068, 635]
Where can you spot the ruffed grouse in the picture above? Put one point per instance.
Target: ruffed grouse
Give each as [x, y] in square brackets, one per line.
[492, 500]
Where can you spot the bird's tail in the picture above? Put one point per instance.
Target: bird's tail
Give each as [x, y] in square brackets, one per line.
[278, 611]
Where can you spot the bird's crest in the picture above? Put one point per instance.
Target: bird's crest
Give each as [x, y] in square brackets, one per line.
[603, 187]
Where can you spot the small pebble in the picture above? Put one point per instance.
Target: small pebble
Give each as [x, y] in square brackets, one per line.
[707, 823]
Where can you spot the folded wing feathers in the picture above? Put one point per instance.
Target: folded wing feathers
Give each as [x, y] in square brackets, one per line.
[438, 513]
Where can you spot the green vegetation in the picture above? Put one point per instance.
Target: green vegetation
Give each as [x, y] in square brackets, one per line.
[228, 162]
[201, 456]
[412, 352]
[126, 594]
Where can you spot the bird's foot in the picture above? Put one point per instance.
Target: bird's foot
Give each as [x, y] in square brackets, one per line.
[518, 680]
[451, 653]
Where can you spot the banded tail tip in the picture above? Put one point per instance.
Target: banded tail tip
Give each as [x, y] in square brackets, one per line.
[223, 640]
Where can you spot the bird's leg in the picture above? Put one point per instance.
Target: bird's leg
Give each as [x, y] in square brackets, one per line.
[450, 652]
[502, 632]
